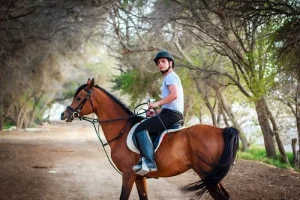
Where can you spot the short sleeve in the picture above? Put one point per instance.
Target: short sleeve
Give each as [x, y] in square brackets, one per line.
[170, 80]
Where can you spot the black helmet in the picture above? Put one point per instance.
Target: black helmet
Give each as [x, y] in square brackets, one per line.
[164, 54]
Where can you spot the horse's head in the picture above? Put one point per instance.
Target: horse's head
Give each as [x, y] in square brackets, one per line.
[79, 105]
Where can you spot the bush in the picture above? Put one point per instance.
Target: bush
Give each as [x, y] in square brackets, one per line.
[258, 153]
[7, 124]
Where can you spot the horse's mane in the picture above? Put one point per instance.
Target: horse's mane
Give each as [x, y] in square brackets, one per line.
[119, 102]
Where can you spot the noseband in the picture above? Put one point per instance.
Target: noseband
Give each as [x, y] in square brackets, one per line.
[75, 113]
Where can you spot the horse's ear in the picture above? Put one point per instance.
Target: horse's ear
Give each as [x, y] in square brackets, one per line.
[91, 83]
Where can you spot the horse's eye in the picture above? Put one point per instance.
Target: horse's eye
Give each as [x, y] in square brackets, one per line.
[78, 98]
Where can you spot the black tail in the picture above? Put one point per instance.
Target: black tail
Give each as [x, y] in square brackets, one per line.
[220, 170]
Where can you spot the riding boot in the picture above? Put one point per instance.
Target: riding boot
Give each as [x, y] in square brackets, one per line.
[147, 162]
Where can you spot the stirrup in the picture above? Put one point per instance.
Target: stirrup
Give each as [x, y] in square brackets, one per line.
[141, 168]
[138, 166]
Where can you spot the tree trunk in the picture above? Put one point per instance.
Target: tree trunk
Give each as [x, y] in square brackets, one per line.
[207, 103]
[227, 108]
[283, 155]
[263, 119]
[224, 115]
[295, 154]
[187, 107]
[18, 117]
[219, 115]
[1, 117]
[32, 114]
[21, 117]
[280, 147]
[2, 95]
[200, 115]
[297, 165]
[298, 121]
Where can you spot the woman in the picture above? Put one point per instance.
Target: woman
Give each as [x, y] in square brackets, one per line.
[172, 107]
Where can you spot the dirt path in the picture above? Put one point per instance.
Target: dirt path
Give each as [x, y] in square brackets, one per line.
[67, 162]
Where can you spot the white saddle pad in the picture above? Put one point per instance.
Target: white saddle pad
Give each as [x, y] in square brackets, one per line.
[132, 146]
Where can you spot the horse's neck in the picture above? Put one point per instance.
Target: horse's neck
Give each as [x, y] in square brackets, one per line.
[108, 109]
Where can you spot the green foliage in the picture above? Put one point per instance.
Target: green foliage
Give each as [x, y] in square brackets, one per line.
[259, 154]
[137, 85]
[290, 157]
[261, 68]
[69, 89]
[253, 153]
[275, 163]
[8, 124]
[191, 94]
[125, 82]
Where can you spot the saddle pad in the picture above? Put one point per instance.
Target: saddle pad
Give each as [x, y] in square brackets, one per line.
[132, 146]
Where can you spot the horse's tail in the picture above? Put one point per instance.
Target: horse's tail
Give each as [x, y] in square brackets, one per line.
[219, 170]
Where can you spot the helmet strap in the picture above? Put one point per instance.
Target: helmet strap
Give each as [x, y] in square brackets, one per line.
[165, 71]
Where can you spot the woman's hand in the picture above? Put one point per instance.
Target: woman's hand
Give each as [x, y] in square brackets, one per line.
[150, 113]
[154, 104]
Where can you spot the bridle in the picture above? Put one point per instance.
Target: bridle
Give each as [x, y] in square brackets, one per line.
[75, 113]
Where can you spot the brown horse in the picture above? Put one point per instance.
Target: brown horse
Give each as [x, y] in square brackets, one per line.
[208, 150]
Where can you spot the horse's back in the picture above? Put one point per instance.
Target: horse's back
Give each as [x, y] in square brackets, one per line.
[201, 135]
[196, 138]
[204, 132]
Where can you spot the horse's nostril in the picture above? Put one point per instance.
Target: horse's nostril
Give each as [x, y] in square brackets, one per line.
[62, 116]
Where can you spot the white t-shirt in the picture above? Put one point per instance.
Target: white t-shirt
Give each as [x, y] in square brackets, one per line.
[173, 79]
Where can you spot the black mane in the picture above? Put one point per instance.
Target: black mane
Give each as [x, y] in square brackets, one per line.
[79, 89]
[120, 103]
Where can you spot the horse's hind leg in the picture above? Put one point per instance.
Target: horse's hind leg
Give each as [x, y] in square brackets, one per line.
[141, 186]
[218, 192]
[224, 191]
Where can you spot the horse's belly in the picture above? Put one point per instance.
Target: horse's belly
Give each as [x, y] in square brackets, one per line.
[173, 156]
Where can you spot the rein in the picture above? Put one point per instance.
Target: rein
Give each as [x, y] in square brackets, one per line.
[74, 113]
[95, 121]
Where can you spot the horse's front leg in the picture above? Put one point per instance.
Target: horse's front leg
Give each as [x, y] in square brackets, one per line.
[141, 186]
[127, 183]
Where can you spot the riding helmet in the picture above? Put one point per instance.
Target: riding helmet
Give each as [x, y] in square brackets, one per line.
[164, 54]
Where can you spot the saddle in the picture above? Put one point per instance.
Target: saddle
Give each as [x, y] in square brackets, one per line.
[156, 137]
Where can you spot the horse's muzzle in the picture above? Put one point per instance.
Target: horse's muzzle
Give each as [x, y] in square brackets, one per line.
[62, 116]
[68, 118]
